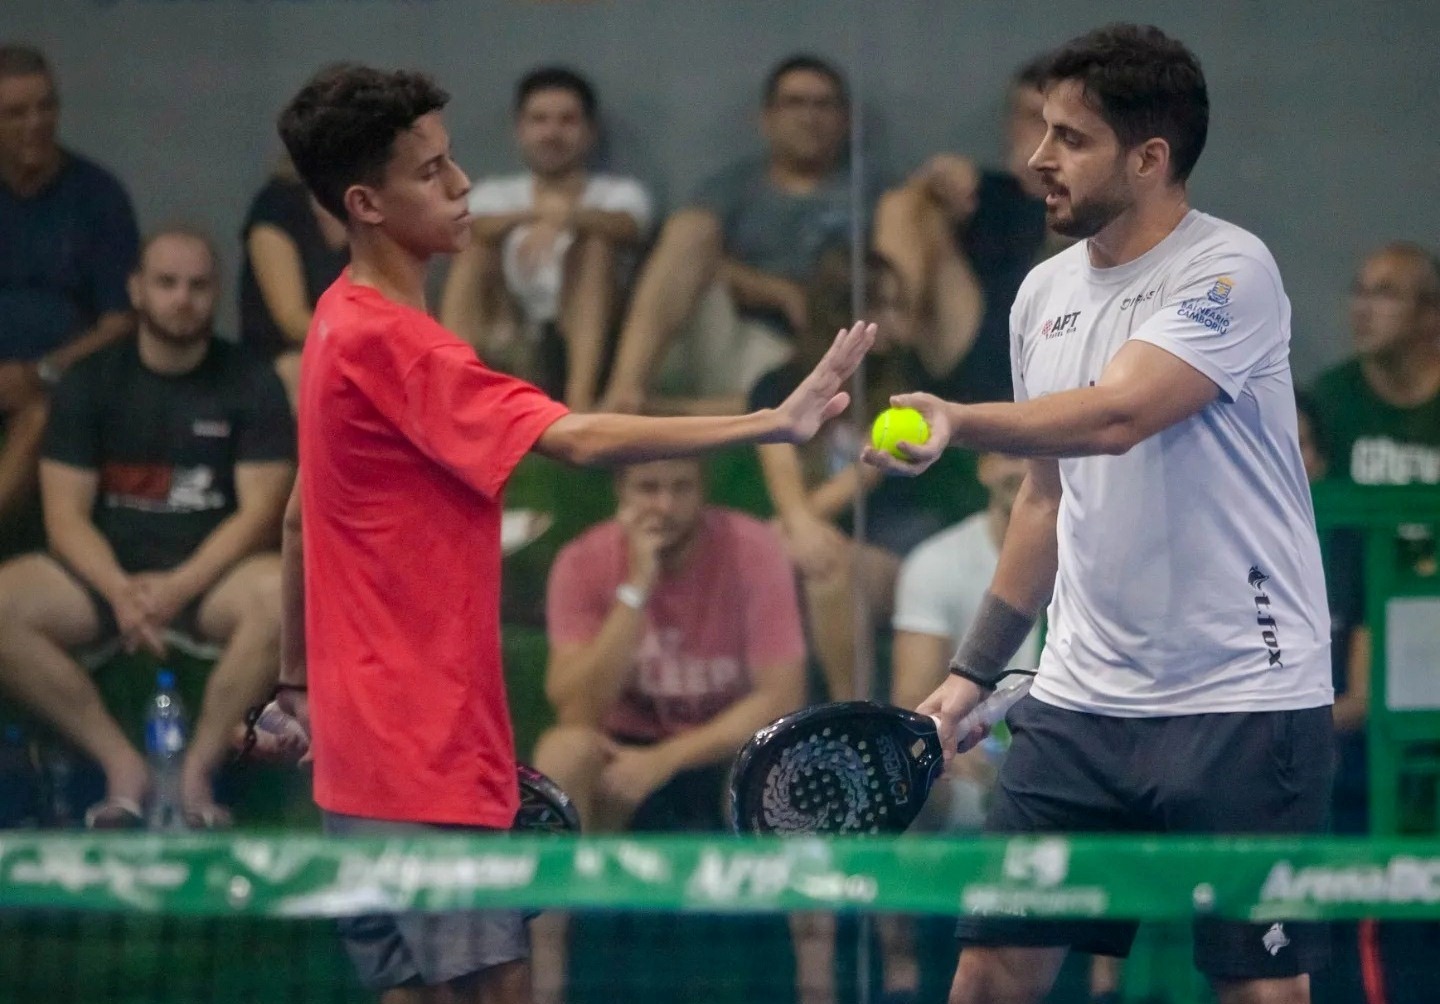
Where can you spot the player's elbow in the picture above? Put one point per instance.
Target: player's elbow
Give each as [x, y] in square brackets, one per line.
[571, 440]
[1117, 430]
[1115, 440]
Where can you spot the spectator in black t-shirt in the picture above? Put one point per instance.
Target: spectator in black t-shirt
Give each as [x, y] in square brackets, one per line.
[963, 239]
[165, 472]
[293, 251]
[67, 242]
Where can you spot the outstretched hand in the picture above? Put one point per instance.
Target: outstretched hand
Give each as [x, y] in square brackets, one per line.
[917, 456]
[821, 395]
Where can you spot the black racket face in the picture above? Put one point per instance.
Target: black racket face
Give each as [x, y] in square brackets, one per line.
[849, 767]
[544, 806]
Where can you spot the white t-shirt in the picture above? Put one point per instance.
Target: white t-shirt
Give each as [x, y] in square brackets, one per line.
[943, 581]
[1189, 578]
[539, 290]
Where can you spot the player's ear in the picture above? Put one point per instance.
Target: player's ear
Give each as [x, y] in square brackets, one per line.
[1153, 159]
[363, 206]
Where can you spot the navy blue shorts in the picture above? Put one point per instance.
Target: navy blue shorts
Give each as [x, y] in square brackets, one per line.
[1265, 772]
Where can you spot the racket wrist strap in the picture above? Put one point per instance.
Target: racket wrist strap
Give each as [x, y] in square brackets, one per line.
[994, 637]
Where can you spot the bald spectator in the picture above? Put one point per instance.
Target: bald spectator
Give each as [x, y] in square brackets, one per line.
[67, 243]
[1380, 409]
[166, 468]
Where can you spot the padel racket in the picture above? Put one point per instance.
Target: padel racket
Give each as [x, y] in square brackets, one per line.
[849, 766]
[544, 806]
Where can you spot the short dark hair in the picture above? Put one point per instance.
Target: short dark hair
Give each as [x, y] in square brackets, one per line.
[810, 64]
[1144, 84]
[558, 78]
[340, 128]
[1032, 73]
[22, 61]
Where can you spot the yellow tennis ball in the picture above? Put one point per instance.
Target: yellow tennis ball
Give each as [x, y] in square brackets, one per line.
[894, 426]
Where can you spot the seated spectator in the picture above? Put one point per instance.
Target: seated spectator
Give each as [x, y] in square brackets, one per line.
[293, 251]
[674, 636]
[165, 472]
[1380, 409]
[812, 488]
[963, 240]
[68, 238]
[536, 292]
[731, 266]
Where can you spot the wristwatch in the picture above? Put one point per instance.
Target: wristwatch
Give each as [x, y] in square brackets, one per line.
[48, 373]
[632, 596]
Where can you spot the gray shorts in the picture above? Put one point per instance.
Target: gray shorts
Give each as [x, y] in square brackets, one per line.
[425, 949]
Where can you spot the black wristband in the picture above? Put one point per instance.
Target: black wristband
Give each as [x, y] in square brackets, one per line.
[292, 686]
[995, 636]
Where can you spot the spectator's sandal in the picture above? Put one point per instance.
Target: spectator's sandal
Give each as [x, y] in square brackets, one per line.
[115, 813]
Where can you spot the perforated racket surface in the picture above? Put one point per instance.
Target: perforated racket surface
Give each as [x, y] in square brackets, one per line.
[847, 767]
[544, 806]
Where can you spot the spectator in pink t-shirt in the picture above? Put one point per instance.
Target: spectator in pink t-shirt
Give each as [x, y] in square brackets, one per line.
[675, 634]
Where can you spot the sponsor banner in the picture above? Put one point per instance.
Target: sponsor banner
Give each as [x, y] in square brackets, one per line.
[1136, 878]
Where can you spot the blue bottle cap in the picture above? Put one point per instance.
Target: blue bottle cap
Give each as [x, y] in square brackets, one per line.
[165, 679]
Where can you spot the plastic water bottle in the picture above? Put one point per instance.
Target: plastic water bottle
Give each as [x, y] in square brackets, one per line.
[165, 735]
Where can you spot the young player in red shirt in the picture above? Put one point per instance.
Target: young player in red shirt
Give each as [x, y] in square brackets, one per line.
[391, 603]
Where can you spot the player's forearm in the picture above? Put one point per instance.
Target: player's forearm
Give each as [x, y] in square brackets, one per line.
[605, 439]
[1073, 423]
[1029, 556]
[292, 594]
[617, 228]
[721, 738]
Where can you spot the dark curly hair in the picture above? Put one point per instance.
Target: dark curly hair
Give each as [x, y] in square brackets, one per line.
[1144, 84]
[340, 128]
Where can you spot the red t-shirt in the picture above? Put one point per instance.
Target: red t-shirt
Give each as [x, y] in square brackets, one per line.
[406, 441]
[730, 611]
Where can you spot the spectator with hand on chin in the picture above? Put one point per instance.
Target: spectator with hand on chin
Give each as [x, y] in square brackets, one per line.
[675, 634]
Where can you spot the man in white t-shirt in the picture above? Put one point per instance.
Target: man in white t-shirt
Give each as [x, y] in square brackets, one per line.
[537, 289]
[1185, 682]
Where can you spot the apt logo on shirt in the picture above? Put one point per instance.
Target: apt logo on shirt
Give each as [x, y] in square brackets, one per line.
[1062, 325]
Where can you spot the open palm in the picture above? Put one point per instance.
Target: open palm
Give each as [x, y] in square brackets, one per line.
[821, 395]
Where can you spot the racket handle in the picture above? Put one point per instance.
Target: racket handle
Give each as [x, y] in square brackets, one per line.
[993, 708]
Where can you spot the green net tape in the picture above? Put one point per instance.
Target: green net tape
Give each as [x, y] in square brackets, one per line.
[1257, 879]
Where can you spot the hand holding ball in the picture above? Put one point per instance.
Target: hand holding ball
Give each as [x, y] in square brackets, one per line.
[894, 426]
